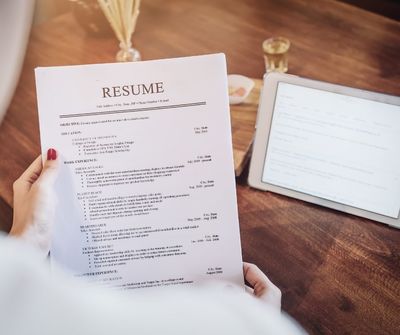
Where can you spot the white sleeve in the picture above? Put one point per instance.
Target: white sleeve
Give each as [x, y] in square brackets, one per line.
[33, 301]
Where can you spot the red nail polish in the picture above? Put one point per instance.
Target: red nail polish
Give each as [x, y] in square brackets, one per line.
[51, 155]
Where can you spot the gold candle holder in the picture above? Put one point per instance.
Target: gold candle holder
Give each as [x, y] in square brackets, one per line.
[276, 54]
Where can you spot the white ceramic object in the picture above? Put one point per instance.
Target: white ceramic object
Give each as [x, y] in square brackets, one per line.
[15, 23]
[239, 88]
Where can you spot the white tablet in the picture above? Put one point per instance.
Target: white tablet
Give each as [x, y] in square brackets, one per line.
[331, 145]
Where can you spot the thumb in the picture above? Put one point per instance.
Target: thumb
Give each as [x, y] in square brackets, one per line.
[50, 169]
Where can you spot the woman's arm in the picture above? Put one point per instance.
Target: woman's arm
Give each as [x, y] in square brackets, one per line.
[34, 202]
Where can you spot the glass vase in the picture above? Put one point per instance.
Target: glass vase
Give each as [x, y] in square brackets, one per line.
[127, 53]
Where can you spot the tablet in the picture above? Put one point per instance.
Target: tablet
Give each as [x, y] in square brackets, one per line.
[330, 145]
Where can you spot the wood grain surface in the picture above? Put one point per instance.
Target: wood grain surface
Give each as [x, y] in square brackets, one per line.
[339, 274]
[243, 120]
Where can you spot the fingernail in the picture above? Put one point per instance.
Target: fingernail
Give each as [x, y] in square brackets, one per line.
[51, 155]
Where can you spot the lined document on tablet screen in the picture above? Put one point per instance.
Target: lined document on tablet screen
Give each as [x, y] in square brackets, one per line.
[337, 147]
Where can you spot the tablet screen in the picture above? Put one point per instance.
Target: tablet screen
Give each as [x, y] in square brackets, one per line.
[336, 147]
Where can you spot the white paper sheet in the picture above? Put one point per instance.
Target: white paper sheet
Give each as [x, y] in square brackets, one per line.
[146, 190]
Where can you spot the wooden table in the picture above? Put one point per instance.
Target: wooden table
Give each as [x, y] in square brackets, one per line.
[339, 274]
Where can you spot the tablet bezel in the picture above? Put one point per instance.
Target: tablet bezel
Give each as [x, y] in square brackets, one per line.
[264, 117]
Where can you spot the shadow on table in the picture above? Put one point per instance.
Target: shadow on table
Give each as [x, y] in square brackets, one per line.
[6, 214]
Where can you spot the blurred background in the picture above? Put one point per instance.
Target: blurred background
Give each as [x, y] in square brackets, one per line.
[47, 9]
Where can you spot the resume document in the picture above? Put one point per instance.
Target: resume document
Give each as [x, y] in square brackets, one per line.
[146, 190]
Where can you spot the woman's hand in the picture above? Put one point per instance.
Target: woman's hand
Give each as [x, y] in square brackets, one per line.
[34, 202]
[261, 286]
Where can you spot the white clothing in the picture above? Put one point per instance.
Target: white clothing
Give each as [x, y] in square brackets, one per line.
[35, 301]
